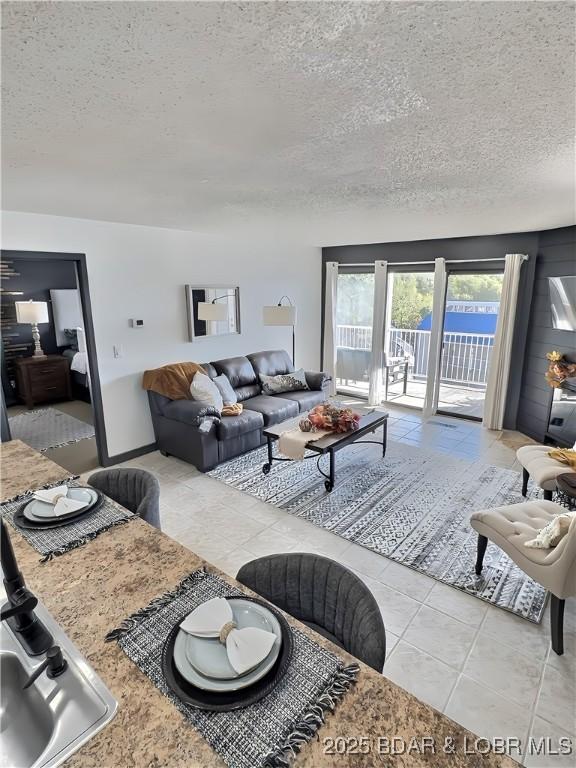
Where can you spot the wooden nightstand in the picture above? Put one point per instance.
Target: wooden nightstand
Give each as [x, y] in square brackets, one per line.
[43, 379]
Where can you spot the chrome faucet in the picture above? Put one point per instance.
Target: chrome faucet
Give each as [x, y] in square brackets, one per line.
[18, 612]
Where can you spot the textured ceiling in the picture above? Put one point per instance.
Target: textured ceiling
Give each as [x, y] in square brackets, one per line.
[344, 122]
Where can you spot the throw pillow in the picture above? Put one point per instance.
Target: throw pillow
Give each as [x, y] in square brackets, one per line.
[553, 533]
[71, 336]
[284, 382]
[203, 390]
[225, 389]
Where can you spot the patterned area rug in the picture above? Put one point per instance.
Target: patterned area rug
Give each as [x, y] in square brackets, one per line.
[412, 506]
[48, 428]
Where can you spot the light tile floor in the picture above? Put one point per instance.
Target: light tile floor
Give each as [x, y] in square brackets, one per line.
[453, 398]
[487, 669]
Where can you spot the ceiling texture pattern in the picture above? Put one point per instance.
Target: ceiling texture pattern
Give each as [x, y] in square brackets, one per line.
[343, 121]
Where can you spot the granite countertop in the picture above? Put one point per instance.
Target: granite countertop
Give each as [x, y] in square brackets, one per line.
[91, 589]
[23, 469]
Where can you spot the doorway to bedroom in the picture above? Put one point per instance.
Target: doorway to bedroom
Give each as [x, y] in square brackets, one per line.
[44, 362]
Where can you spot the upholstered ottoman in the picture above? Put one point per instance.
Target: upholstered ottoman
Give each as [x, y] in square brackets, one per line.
[540, 467]
[555, 569]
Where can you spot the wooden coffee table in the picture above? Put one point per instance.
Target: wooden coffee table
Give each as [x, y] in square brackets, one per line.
[370, 421]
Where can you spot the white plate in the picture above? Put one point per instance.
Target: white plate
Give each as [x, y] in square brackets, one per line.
[41, 511]
[191, 652]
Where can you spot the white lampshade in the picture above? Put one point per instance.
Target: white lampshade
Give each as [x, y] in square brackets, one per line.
[32, 312]
[279, 315]
[212, 312]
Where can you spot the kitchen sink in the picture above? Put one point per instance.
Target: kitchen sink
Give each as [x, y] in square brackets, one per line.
[41, 726]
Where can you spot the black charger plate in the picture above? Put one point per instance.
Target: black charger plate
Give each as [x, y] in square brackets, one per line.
[22, 522]
[225, 701]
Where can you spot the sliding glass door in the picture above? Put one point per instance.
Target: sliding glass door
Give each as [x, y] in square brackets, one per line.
[407, 343]
[353, 336]
[445, 374]
[470, 318]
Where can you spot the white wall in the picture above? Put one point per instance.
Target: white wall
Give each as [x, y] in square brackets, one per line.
[140, 272]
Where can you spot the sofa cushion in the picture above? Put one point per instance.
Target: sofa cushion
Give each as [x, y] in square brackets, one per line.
[273, 408]
[271, 363]
[319, 381]
[209, 370]
[234, 426]
[241, 376]
[306, 399]
[189, 411]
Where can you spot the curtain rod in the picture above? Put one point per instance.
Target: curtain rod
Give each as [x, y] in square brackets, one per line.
[415, 263]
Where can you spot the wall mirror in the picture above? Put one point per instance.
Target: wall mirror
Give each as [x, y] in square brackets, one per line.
[212, 310]
[563, 301]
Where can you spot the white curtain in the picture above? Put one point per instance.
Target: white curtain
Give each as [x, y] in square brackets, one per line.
[330, 305]
[378, 353]
[499, 372]
[435, 348]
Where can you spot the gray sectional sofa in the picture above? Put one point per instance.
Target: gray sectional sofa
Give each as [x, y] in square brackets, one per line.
[195, 433]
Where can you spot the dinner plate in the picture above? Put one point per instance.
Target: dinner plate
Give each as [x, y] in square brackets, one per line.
[218, 660]
[227, 701]
[208, 655]
[42, 512]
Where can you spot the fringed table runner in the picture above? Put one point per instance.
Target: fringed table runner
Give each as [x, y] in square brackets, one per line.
[51, 542]
[265, 734]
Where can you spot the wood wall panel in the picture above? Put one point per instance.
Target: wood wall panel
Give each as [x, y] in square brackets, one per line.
[556, 257]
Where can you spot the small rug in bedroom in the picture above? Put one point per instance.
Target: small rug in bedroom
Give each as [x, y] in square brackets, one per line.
[413, 506]
[48, 428]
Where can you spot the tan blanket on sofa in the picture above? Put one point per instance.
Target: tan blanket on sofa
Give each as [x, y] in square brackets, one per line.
[172, 380]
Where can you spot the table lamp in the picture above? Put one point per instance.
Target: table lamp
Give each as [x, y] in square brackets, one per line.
[33, 313]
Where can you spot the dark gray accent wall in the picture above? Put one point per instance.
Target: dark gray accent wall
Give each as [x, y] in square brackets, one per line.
[551, 253]
[473, 250]
[35, 279]
[556, 257]
[469, 248]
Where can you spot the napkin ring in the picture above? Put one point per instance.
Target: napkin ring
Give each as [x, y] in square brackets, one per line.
[58, 497]
[225, 631]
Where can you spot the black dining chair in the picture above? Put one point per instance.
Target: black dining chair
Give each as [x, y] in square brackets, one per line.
[325, 596]
[135, 489]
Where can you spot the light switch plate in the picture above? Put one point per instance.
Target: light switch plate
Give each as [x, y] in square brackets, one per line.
[118, 350]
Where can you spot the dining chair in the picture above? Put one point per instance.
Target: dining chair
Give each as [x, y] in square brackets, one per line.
[555, 569]
[325, 596]
[135, 489]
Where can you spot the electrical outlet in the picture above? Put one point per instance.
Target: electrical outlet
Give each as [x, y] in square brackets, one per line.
[118, 350]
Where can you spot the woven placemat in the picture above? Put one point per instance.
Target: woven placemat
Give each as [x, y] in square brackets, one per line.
[23, 495]
[51, 542]
[265, 734]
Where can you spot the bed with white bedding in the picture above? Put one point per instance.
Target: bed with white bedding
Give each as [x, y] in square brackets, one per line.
[79, 368]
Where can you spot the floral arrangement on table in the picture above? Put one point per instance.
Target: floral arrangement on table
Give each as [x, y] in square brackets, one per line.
[559, 369]
[332, 417]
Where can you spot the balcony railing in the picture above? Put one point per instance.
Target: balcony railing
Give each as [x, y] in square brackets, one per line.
[465, 356]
